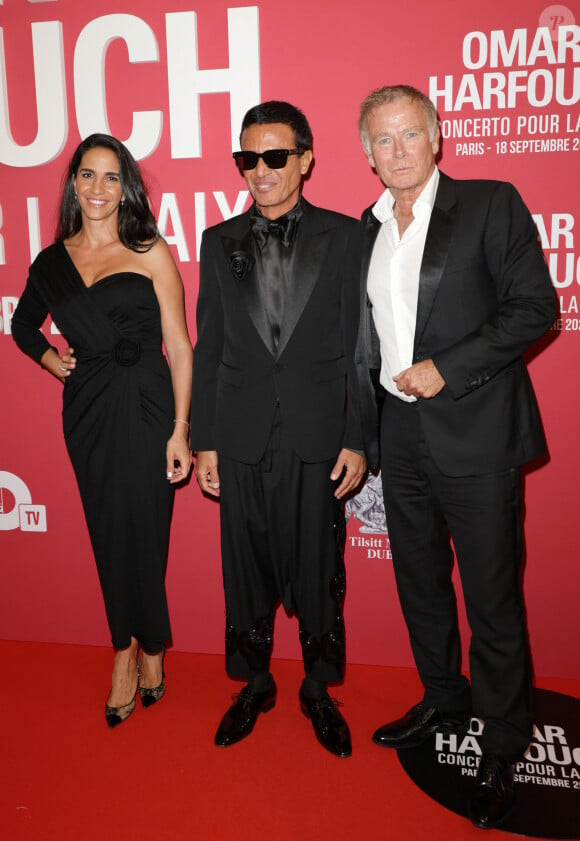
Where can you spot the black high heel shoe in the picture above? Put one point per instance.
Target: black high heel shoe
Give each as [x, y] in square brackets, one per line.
[150, 695]
[117, 715]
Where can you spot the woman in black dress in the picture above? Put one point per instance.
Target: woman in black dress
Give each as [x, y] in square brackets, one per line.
[111, 286]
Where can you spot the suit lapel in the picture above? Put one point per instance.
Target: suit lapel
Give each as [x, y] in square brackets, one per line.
[369, 337]
[437, 244]
[312, 245]
[248, 285]
[372, 227]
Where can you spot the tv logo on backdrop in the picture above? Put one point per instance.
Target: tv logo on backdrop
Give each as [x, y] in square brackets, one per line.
[16, 508]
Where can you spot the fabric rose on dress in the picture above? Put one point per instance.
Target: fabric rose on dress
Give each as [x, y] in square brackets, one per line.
[127, 353]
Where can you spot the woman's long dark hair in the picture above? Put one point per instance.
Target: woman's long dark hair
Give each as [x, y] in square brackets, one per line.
[136, 223]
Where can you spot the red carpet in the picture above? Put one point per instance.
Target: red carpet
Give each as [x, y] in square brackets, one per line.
[158, 777]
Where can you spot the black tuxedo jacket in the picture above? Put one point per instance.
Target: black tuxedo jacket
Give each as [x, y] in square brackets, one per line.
[240, 377]
[485, 296]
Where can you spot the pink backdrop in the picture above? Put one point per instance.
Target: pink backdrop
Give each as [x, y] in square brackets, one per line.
[173, 79]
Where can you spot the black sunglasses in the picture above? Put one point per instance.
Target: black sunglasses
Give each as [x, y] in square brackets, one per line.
[273, 158]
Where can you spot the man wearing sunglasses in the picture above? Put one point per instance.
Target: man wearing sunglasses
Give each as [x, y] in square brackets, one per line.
[281, 417]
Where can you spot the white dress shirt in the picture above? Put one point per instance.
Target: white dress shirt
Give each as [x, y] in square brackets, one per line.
[393, 282]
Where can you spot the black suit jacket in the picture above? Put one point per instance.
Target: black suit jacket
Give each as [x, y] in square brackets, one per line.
[485, 296]
[239, 377]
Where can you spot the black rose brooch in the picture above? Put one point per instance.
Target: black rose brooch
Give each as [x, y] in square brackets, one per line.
[240, 264]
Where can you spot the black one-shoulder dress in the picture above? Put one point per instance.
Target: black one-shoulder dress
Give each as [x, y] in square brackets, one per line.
[117, 417]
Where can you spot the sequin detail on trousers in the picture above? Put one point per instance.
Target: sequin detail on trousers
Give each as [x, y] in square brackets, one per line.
[254, 644]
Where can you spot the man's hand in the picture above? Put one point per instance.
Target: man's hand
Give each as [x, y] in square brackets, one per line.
[355, 465]
[206, 472]
[420, 380]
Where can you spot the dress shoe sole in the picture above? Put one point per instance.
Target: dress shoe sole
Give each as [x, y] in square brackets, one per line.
[268, 705]
[340, 754]
[415, 740]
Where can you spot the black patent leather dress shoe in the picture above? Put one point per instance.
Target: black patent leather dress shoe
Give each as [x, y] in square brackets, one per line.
[493, 796]
[329, 725]
[418, 724]
[239, 720]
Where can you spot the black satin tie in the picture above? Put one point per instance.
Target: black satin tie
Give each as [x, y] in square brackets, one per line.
[283, 229]
[274, 238]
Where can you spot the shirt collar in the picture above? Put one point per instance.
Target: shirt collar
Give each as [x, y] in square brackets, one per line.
[297, 211]
[383, 207]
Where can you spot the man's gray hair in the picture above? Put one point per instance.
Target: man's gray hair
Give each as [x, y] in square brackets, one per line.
[383, 96]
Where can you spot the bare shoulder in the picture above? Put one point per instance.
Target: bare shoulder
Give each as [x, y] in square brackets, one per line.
[158, 259]
[158, 251]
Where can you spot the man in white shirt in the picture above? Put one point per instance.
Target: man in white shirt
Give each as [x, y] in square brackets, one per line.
[458, 290]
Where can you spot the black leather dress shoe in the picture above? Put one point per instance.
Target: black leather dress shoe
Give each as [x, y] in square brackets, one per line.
[418, 724]
[493, 795]
[239, 720]
[330, 727]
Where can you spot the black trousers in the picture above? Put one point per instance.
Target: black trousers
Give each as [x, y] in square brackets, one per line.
[282, 538]
[482, 516]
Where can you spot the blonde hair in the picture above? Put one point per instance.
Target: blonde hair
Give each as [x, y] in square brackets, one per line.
[385, 95]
